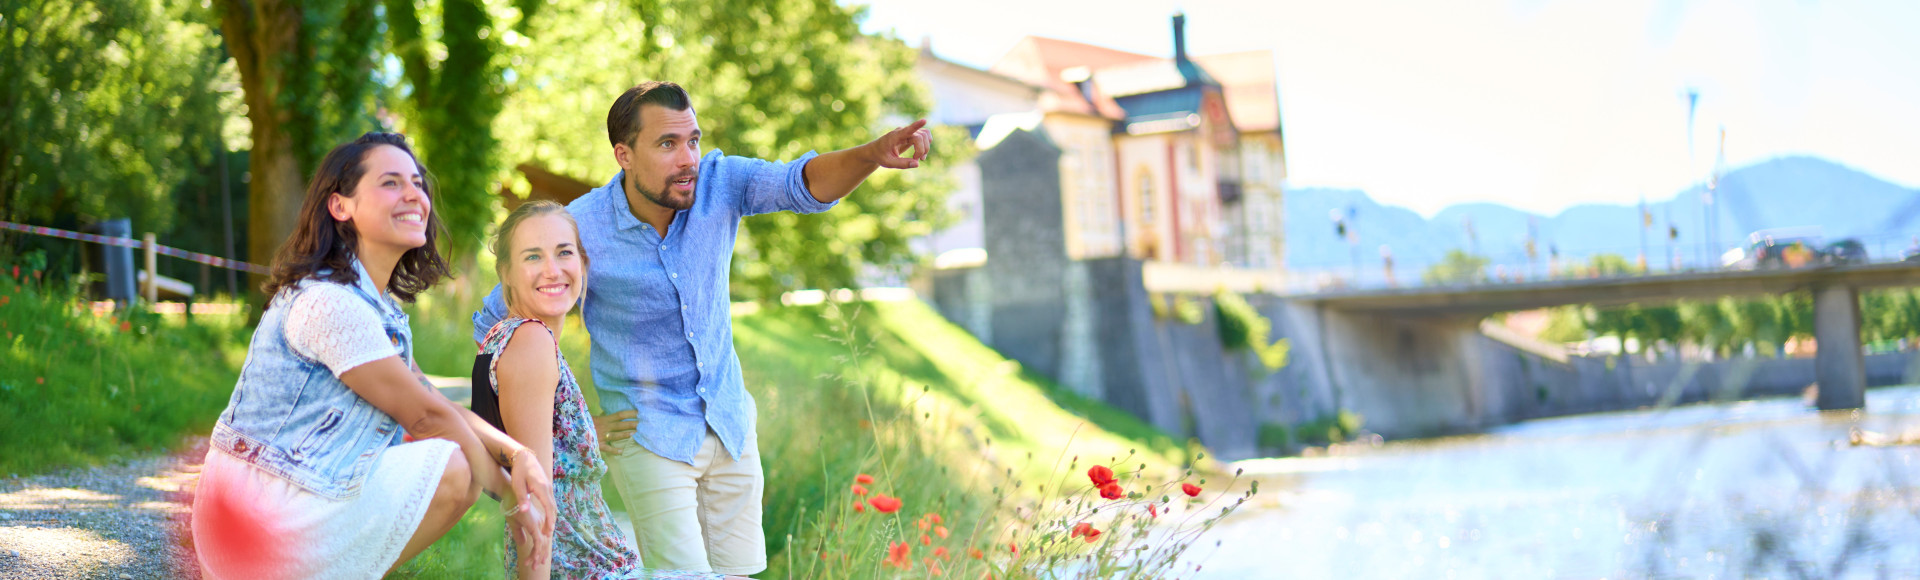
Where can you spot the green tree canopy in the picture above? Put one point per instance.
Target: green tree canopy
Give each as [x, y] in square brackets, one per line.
[1459, 267]
[771, 79]
[105, 107]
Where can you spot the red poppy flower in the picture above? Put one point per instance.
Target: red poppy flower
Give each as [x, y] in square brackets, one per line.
[863, 478]
[1092, 534]
[940, 531]
[936, 519]
[933, 568]
[923, 524]
[975, 553]
[859, 507]
[1081, 529]
[859, 490]
[940, 552]
[125, 326]
[39, 380]
[897, 555]
[925, 541]
[1152, 511]
[1012, 547]
[1111, 491]
[885, 504]
[1190, 489]
[1101, 475]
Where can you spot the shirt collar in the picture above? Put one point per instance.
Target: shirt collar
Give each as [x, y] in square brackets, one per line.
[617, 195]
[365, 282]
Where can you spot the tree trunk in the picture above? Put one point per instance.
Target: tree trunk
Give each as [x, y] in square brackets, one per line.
[259, 34]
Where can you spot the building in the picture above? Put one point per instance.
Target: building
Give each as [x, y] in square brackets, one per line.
[1175, 160]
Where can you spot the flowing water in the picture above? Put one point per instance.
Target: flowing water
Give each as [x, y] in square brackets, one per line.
[1766, 488]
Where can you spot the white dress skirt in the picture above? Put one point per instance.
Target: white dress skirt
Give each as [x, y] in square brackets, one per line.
[251, 524]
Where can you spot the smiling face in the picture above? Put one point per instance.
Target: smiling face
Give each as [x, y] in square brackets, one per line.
[389, 207]
[662, 164]
[547, 271]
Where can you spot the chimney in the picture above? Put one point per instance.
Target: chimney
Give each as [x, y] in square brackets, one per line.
[1179, 36]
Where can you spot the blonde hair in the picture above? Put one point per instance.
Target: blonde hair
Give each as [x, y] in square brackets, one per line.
[503, 262]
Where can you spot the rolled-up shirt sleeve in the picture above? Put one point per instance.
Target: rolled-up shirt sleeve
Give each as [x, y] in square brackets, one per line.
[775, 185]
[491, 311]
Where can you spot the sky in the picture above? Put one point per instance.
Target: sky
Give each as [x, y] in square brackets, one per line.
[1540, 105]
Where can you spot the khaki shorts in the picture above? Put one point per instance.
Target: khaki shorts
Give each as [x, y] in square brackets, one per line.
[703, 517]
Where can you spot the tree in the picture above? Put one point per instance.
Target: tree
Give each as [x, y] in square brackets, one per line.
[308, 74]
[1458, 267]
[107, 107]
[770, 79]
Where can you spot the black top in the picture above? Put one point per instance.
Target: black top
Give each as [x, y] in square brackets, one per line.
[486, 402]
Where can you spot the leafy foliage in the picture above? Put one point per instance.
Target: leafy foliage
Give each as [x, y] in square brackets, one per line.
[1242, 327]
[770, 79]
[107, 106]
[1459, 267]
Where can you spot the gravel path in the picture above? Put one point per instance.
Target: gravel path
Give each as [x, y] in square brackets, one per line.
[113, 521]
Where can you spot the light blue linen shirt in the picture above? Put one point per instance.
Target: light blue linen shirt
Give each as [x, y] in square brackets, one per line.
[656, 308]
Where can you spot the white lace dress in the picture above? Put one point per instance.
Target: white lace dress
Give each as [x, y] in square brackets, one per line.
[316, 537]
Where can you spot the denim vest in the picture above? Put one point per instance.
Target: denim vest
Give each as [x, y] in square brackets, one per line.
[289, 416]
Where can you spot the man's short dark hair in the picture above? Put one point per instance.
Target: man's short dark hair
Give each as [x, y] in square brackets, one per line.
[623, 120]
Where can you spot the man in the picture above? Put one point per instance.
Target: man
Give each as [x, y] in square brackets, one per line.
[659, 239]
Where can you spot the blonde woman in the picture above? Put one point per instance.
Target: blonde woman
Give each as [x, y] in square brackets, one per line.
[524, 384]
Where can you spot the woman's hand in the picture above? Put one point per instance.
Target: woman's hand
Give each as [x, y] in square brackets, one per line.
[530, 480]
[615, 427]
[526, 523]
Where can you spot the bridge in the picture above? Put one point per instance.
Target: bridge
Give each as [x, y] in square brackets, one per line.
[1416, 358]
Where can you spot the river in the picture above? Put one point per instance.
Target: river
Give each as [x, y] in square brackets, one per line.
[1765, 488]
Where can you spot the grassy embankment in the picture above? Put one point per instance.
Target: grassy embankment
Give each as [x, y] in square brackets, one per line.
[79, 389]
[898, 392]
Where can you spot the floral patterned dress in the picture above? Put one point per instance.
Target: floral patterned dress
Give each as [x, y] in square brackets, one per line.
[586, 542]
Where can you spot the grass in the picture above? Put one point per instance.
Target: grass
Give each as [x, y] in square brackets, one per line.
[80, 389]
[890, 389]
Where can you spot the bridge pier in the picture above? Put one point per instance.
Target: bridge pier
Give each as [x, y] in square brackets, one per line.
[1839, 366]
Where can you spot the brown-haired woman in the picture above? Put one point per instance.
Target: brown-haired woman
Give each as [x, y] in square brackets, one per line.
[310, 474]
[522, 383]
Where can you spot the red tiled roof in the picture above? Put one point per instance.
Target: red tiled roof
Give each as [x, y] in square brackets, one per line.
[1039, 61]
[1247, 81]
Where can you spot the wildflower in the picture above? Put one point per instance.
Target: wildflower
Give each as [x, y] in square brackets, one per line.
[1111, 491]
[936, 519]
[925, 541]
[39, 380]
[863, 478]
[859, 490]
[940, 552]
[1153, 511]
[923, 524]
[1014, 548]
[5, 299]
[933, 567]
[1081, 529]
[1190, 489]
[940, 531]
[1093, 534]
[897, 555]
[859, 507]
[1101, 475]
[884, 504]
[975, 553]
[125, 326]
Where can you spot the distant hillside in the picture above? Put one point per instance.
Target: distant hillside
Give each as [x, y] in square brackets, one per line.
[1785, 192]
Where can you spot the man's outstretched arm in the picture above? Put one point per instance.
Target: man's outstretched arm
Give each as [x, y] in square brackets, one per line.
[834, 175]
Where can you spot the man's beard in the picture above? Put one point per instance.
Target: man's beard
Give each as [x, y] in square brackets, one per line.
[659, 196]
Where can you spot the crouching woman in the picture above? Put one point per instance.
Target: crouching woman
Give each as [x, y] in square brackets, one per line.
[310, 471]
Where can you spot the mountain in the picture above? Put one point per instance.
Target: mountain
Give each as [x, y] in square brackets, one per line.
[1784, 192]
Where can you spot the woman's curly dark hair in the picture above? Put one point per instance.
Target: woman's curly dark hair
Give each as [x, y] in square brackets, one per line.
[320, 242]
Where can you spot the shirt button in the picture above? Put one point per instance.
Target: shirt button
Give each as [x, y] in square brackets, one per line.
[676, 274]
[689, 335]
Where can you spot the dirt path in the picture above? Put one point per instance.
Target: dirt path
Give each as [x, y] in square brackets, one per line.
[113, 521]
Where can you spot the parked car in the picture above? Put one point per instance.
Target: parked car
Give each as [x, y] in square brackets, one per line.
[1844, 253]
[1783, 248]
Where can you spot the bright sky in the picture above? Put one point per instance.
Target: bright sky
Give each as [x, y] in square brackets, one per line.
[1536, 104]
